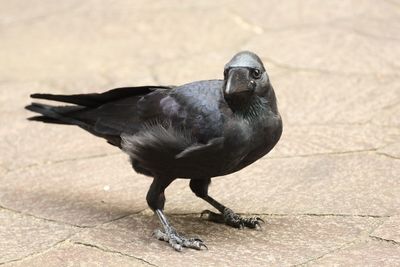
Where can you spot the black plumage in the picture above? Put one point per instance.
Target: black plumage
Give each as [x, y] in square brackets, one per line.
[196, 131]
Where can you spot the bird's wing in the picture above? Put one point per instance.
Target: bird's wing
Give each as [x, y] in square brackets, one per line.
[198, 107]
[125, 115]
[105, 114]
[189, 124]
[199, 150]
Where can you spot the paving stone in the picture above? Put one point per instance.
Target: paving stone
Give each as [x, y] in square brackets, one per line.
[334, 66]
[358, 183]
[24, 143]
[325, 139]
[31, 143]
[330, 49]
[319, 99]
[392, 150]
[283, 241]
[3, 170]
[300, 14]
[79, 255]
[75, 50]
[22, 235]
[372, 253]
[388, 116]
[81, 192]
[389, 230]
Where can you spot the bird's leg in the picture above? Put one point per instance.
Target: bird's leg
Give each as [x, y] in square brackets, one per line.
[156, 200]
[226, 215]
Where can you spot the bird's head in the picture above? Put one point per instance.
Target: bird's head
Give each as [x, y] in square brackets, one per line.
[244, 77]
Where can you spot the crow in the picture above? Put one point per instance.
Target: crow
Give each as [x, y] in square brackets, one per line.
[196, 131]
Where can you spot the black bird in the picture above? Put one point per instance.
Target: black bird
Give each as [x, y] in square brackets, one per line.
[196, 131]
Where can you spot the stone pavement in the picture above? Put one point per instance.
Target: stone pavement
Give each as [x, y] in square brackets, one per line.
[329, 192]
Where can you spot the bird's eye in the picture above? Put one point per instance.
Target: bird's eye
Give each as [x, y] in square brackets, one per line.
[256, 73]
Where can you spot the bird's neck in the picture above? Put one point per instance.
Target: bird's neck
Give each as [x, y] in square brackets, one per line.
[250, 109]
[256, 106]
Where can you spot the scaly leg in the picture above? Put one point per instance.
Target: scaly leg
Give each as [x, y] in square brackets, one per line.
[156, 200]
[226, 215]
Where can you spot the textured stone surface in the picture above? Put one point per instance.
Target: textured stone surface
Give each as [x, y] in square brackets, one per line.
[389, 230]
[335, 69]
[79, 255]
[283, 241]
[22, 235]
[372, 253]
[330, 139]
[360, 183]
[321, 98]
[391, 150]
[81, 192]
[22, 143]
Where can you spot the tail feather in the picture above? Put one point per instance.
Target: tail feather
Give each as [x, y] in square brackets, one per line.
[96, 99]
[97, 113]
[53, 114]
[46, 120]
[81, 100]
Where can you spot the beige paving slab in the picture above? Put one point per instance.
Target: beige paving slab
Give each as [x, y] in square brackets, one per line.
[330, 49]
[78, 255]
[358, 183]
[284, 240]
[284, 15]
[81, 192]
[32, 143]
[392, 150]
[24, 143]
[312, 98]
[323, 139]
[388, 116]
[22, 235]
[118, 41]
[334, 66]
[3, 170]
[368, 253]
[389, 230]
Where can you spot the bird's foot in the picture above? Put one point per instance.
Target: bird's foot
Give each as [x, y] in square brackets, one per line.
[177, 241]
[232, 219]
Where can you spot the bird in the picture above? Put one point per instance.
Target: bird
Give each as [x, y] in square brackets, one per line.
[197, 131]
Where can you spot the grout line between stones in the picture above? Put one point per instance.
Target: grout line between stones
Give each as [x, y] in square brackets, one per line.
[297, 214]
[112, 251]
[42, 218]
[384, 240]
[387, 155]
[323, 154]
[360, 238]
[34, 254]
[62, 161]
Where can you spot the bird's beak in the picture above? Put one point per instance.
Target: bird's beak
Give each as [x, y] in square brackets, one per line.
[237, 82]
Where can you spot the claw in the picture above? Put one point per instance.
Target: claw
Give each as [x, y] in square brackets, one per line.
[259, 219]
[230, 218]
[177, 241]
[203, 245]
